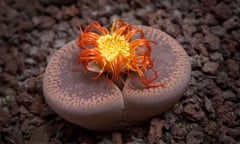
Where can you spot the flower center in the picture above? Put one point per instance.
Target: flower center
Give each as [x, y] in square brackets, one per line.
[112, 46]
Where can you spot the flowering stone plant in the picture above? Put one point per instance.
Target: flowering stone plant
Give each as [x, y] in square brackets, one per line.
[138, 71]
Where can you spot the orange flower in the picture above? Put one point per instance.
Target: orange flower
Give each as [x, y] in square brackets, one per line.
[116, 51]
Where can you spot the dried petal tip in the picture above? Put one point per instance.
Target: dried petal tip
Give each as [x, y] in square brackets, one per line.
[116, 51]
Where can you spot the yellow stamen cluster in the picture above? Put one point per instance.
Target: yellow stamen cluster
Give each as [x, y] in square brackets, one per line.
[110, 46]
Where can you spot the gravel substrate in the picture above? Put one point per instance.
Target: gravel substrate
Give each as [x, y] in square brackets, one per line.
[209, 30]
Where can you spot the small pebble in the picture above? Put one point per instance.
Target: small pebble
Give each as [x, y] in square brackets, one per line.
[210, 67]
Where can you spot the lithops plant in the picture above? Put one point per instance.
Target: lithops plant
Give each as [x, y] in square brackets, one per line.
[153, 68]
